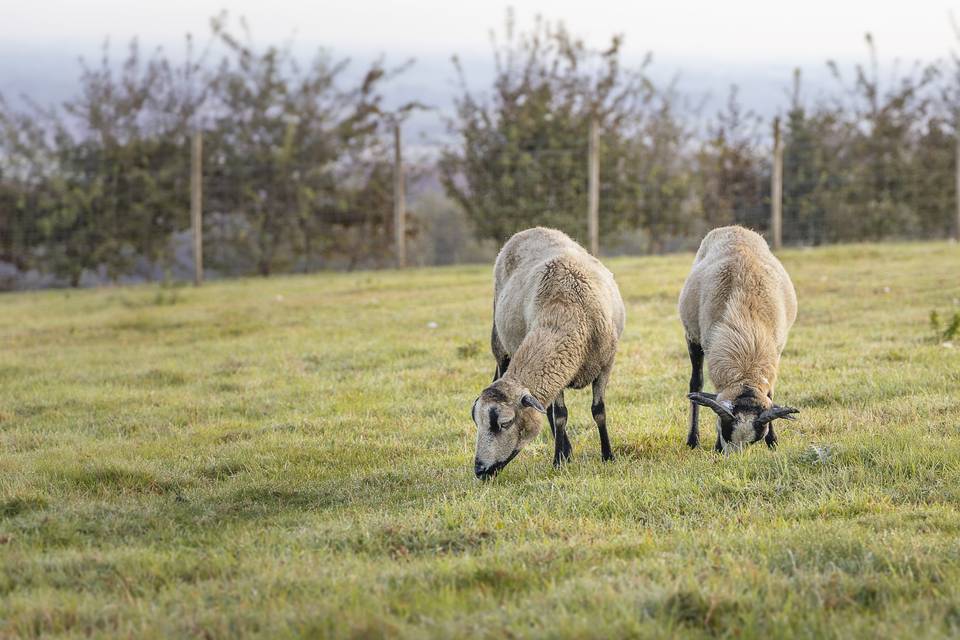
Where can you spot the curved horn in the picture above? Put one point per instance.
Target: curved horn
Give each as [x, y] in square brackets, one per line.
[710, 400]
[529, 401]
[777, 412]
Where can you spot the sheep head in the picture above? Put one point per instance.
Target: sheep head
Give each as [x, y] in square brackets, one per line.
[507, 417]
[743, 420]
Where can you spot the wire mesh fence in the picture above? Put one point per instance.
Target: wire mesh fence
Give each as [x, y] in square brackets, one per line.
[863, 197]
[125, 218]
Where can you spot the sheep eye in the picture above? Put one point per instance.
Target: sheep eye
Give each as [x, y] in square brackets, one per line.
[506, 425]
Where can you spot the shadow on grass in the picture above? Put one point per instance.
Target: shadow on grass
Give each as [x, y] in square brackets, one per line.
[112, 480]
[17, 505]
[157, 378]
[249, 503]
[693, 610]
[641, 448]
[95, 504]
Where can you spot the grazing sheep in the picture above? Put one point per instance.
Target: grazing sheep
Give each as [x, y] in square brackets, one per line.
[557, 318]
[737, 306]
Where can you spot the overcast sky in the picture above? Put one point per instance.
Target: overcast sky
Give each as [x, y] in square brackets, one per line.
[753, 43]
[724, 30]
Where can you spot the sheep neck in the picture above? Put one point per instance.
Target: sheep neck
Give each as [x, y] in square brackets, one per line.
[550, 355]
[742, 354]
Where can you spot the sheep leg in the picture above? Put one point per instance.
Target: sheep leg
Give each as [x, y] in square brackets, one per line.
[499, 354]
[600, 414]
[557, 415]
[771, 437]
[501, 369]
[696, 384]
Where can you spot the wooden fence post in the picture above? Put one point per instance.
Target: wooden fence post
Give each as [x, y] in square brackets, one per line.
[399, 212]
[776, 188]
[593, 187]
[196, 205]
[956, 229]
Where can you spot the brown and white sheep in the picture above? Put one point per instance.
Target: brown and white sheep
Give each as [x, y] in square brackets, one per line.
[557, 319]
[737, 306]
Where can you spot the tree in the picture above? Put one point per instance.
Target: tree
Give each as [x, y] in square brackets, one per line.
[521, 155]
[100, 180]
[23, 175]
[655, 167]
[294, 159]
[880, 126]
[808, 144]
[300, 158]
[733, 173]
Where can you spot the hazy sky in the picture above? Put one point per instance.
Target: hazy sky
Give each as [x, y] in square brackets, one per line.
[723, 30]
[714, 43]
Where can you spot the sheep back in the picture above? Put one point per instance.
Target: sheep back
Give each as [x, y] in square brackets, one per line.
[544, 279]
[739, 300]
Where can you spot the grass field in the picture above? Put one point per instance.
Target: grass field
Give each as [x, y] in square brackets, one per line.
[293, 457]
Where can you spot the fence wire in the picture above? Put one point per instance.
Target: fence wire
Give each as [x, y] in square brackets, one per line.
[126, 219]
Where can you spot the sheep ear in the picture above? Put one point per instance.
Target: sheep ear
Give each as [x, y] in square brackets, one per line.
[710, 400]
[777, 412]
[529, 401]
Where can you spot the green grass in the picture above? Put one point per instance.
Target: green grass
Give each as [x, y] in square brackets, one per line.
[293, 457]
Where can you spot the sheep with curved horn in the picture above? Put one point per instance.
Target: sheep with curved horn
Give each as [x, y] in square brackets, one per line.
[737, 306]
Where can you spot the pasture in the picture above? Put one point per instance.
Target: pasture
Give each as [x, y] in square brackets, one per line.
[293, 457]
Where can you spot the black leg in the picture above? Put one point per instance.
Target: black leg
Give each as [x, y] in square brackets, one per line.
[771, 437]
[599, 411]
[696, 384]
[557, 415]
[718, 447]
[499, 354]
[501, 368]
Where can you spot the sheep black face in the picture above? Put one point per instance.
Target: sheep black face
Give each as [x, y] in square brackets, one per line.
[507, 418]
[747, 419]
